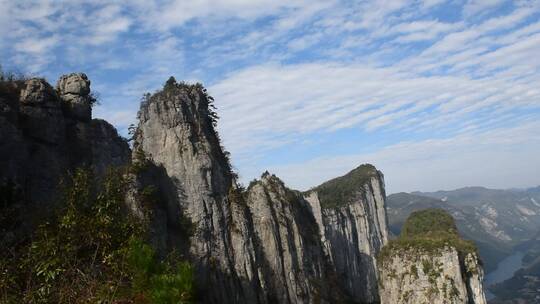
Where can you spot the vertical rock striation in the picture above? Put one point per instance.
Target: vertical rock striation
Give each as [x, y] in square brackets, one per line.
[176, 132]
[292, 262]
[351, 216]
[43, 136]
[440, 277]
[267, 244]
[430, 263]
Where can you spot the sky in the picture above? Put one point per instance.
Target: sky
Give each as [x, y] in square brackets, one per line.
[436, 94]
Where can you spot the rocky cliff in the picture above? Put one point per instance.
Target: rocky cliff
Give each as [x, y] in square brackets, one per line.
[292, 264]
[496, 220]
[351, 216]
[263, 244]
[268, 243]
[45, 133]
[413, 277]
[429, 263]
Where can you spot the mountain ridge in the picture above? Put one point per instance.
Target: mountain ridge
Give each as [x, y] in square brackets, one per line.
[263, 244]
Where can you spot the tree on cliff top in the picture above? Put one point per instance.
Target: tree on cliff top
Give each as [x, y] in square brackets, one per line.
[428, 221]
[427, 231]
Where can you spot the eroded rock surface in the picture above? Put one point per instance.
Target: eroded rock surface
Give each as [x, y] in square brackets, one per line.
[41, 141]
[430, 263]
[353, 232]
[176, 132]
[74, 90]
[267, 244]
[433, 277]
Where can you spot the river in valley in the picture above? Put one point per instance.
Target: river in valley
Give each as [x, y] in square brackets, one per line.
[505, 270]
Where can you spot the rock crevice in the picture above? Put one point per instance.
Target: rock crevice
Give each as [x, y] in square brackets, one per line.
[263, 244]
[267, 244]
[41, 141]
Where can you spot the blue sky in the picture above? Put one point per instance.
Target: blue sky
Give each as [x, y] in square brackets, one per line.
[437, 94]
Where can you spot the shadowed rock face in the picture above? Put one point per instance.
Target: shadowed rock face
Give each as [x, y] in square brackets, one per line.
[267, 244]
[292, 261]
[175, 131]
[41, 140]
[353, 232]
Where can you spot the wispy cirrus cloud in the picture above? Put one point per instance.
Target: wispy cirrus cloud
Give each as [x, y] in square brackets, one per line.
[302, 82]
[311, 98]
[497, 158]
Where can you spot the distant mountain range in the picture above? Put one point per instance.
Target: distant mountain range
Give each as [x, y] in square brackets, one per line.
[496, 220]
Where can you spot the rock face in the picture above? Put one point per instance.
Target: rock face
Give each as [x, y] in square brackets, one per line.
[438, 278]
[263, 244]
[176, 132]
[354, 230]
[268, 244]
[43, 137]
[292, 261]
[74, 89]
[430, 263]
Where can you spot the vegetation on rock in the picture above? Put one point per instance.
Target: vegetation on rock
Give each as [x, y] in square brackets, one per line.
[340, 191]
[11, 84]
[206, 115]
[92, 251]
[428, 231]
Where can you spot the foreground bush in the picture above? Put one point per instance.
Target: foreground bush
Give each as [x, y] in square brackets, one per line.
[92, 251]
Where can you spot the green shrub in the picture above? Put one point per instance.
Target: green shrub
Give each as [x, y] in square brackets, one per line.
[11, 84]
[161, 282]
[429, 221]
[340, 191]
[92, 251]
[427, 231]
[174, 285]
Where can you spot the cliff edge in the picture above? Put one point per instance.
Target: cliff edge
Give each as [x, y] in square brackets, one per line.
[430, 263]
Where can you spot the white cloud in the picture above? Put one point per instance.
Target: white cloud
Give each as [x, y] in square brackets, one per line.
[176, 13]
[423, 30]
[272, 101]
[36, 45]
[371, 66]
[499, 158]
[480, 7]
[110, 24]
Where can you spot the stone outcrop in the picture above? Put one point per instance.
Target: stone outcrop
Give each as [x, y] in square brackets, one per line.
[41, 140]
[267, 244]
[176, 133]
[74, 90]
[438, 278]
[430, 263]
[354, 231]
[292, 262]
[263, 244]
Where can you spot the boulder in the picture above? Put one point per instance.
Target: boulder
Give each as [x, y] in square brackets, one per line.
[74, 90]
